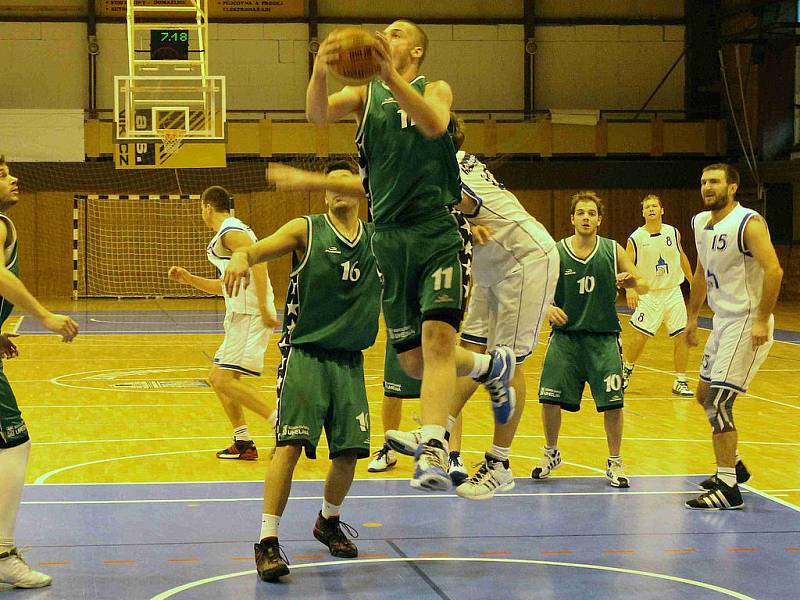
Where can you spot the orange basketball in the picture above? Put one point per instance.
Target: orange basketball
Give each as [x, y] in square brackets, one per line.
[357, 62]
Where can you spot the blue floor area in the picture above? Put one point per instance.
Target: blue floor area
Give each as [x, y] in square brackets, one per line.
[209, 321]
[563, 538]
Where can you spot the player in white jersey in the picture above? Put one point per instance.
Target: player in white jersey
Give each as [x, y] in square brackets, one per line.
[250, 317]
[514, 276]
[738, 271]
[656, 250]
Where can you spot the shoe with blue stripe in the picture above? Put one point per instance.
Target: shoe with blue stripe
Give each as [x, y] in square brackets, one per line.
[498, 383]
[430, 467]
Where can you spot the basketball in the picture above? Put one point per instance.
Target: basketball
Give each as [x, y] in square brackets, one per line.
[357, 62]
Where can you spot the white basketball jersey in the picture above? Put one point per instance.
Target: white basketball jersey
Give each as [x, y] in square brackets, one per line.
[515, 233]
[245, 301]
[733, 277]
[658, 257]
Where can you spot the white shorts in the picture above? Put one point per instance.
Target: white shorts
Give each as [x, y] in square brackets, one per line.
[244, 345]
[658, 306]
[729, 360]
[511, 312]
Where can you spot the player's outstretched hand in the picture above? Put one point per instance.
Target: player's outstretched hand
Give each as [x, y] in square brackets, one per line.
[286, 178]
[327, 53]
[237, 275]
[178, 274]
[8, 349]
[62, 325]
[632, 297]
[556, 316]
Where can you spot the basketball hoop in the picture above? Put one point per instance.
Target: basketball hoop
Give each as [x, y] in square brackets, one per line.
[171, 139]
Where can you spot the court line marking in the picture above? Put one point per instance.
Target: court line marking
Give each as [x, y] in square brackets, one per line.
[771, 497]
[381, 436]
[357, 562]
[29, 406]
[45, 476]
[416, 496]
[750, 394]
[261, 481]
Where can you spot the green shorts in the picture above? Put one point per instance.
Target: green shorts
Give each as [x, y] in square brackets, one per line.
[323, 389]
[575, 358]
[13, 431]
[396, 383]
[425, 270]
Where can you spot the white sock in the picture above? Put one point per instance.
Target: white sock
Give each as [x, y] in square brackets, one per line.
[498, 452]
[614, 458]
[269, 525]
[551, 451]
[273, 418]
[480, 365]
[628, 365]
[433, 432]
[330, 510]
[242, 434]
[727, 475]
[451, 422]
[680, 377]
[12, 478]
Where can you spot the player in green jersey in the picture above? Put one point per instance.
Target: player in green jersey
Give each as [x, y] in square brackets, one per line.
[411, 177]
[15, 445]
[584, 344]
[331, 315]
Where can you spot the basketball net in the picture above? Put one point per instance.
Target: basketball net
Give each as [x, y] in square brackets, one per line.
[171, 139]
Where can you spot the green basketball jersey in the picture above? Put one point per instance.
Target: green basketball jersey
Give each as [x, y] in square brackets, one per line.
[587, 288]
[11, 263]
[333, 298]
[408, 177]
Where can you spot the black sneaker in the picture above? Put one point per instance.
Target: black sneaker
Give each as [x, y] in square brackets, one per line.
[742, 476]
[271, 562]
[329, 532]
[722, 497]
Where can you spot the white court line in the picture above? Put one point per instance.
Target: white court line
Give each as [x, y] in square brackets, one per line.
[29, 406]
[770, 497]
[517, 561]
[417, 496]
[381, 436]
[748, 393]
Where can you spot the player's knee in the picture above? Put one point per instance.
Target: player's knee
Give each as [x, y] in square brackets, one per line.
[718, 406]
[218, 377]
[288, 454]
[411, 363]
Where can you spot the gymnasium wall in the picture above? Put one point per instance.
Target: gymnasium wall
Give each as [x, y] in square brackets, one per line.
[266, 65]
[44, 223]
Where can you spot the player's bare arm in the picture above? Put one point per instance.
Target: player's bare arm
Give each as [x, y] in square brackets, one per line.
[235, 240]
[292, 237]
[287, 178]
[631, 296]
[757, 242]
[686, 266]
[696, 298]
[628, 276]
[431, 112]
[204, 284]
[320, 107]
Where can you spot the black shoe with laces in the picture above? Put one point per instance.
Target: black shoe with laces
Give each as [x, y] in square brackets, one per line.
[722, 497]
[271, 562]
[742, 476]
[329, 532]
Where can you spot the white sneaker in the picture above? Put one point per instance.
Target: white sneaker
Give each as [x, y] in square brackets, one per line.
[457, 471]
[430, 467]
[14, 571]
[616, 474]
[385, 459]
[626, 376]
[681, 388]
[404, 442]
[493, 476]
[550, 462]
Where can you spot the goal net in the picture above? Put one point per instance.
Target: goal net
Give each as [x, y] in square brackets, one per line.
[124, 245]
